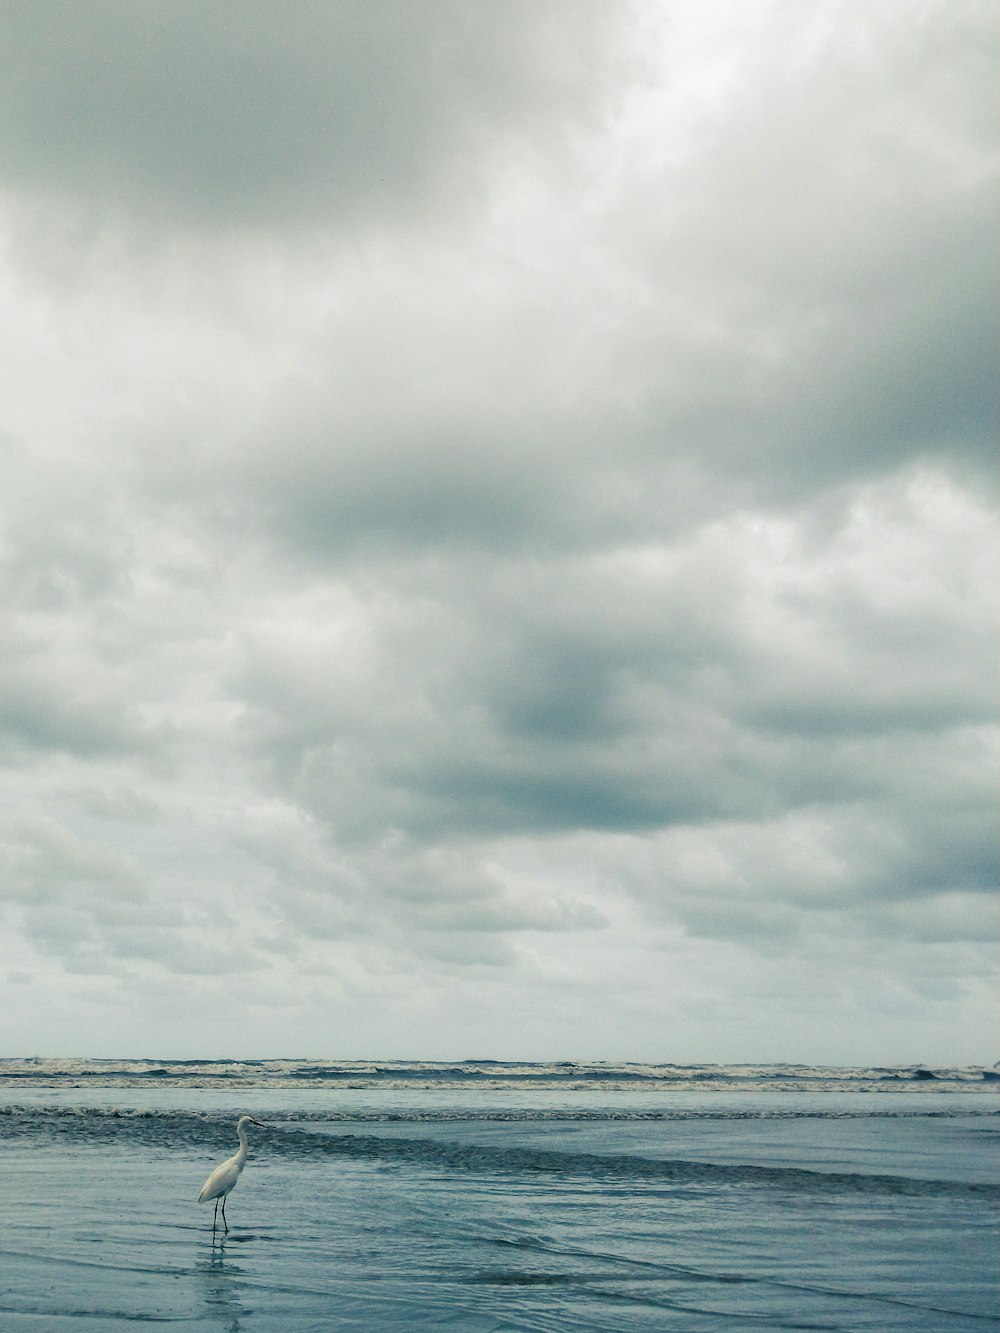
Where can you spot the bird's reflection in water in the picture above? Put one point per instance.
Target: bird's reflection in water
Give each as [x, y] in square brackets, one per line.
[222, 1282]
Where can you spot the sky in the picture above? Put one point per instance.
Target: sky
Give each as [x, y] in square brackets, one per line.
[498, 530]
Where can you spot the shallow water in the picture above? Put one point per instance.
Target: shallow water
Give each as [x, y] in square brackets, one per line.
[500, 1208]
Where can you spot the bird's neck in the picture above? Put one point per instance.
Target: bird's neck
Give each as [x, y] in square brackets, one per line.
[244, 1146]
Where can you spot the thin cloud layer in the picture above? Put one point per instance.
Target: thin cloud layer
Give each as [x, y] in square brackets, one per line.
[497, 531]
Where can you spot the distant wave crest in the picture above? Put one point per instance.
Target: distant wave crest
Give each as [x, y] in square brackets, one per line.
[42, 1072]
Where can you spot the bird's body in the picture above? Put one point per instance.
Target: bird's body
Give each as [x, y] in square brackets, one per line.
[223, 1179]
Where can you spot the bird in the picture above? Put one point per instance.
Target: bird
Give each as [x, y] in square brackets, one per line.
[227, 1173]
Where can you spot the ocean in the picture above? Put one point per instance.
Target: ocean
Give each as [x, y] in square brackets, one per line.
[494, 1196]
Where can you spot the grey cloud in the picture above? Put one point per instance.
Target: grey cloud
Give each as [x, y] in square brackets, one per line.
[465, 951]
[73, 704]
[911, 854]
[948, 918]
[100, 912]
[242, 114]
[451, 890]
[112, 802]
[821, 268]
[720, 676]
[552, 546]
[46, 863]
[76, 899]
[803, 303]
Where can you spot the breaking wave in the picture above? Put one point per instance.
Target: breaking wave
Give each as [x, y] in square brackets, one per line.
[361, 1074]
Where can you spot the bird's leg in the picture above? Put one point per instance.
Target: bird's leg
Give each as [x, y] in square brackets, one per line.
[215, 1215]
[224, 1222]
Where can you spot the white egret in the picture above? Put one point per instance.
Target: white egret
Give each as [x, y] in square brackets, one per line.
[227, 1173]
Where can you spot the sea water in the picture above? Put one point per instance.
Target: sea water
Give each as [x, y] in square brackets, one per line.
[498, 1197]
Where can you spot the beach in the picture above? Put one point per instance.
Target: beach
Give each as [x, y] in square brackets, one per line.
[475, 1203]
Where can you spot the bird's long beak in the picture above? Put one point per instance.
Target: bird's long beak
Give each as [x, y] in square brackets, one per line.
[259, 1123]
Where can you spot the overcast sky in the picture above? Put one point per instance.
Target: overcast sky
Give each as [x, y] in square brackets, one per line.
[498, 529]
